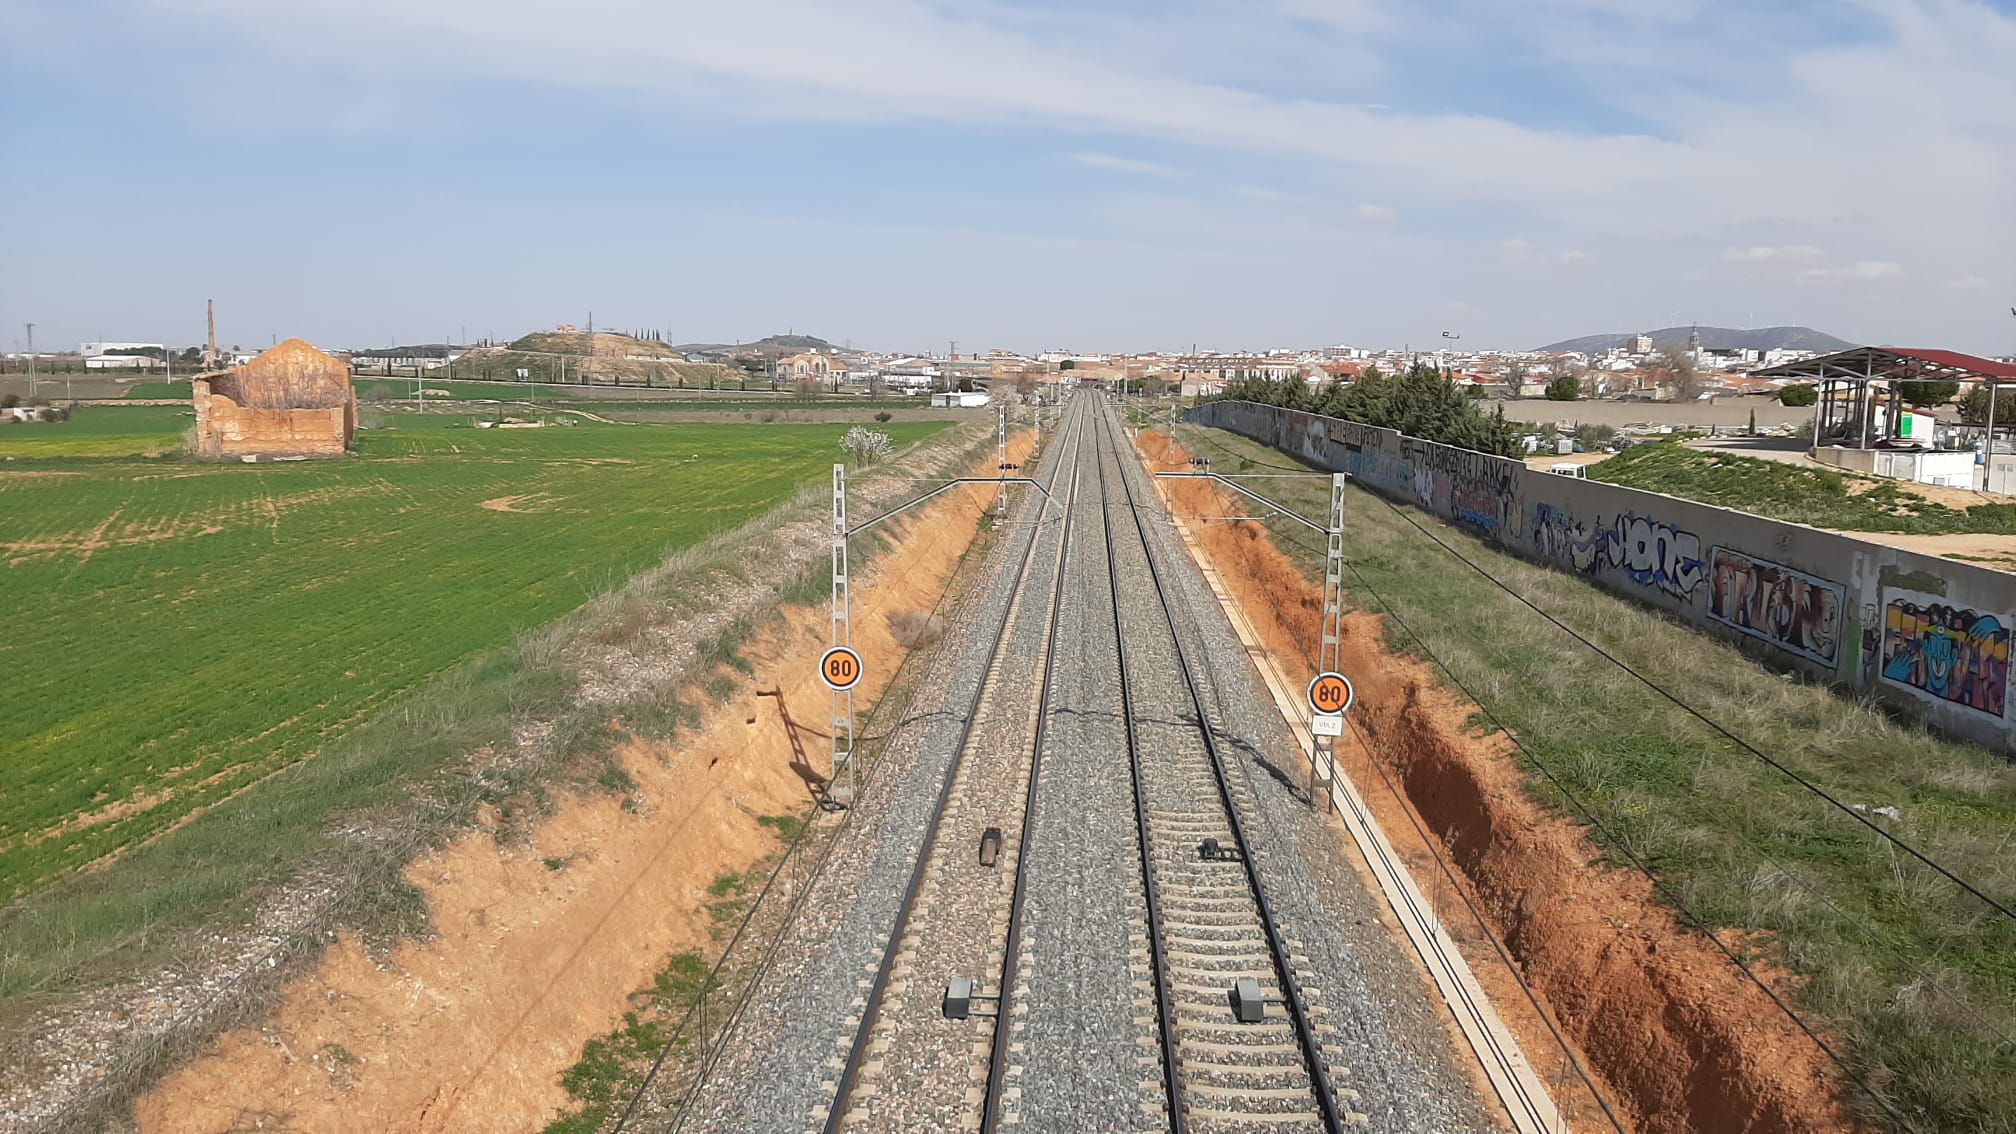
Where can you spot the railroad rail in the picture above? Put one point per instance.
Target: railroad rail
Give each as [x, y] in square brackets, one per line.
[969, 803]
[1236, 1045]
[1218, 953]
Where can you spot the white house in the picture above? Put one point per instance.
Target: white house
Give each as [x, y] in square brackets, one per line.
[958, 399]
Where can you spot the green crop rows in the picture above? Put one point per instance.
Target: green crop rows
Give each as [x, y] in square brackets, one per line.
[175, 630]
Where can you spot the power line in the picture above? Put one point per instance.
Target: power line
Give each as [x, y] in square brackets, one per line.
[1690, 710]
[1620, 846]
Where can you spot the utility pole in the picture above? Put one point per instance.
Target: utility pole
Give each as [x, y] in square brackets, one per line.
[31, 360]
[841, 635]
[210, 343]
[1323, 748]
[1001, 466]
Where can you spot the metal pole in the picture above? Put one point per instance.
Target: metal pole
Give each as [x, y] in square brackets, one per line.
[1001, 465]
[841, 634]
[31, 360]
[1820, 408]
[1988, 453]
[1330, 645]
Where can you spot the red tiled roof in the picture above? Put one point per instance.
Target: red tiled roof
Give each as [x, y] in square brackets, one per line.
[1987, 367]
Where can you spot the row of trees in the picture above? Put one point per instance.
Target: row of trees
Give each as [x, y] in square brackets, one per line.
[1420, 402]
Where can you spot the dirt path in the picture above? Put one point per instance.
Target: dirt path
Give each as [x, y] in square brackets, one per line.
[539, 945]
[1680, 1040]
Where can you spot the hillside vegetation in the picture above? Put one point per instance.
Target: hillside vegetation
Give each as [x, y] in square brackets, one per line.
[1822, 498]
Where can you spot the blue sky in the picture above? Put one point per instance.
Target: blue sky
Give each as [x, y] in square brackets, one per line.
[1112, 174]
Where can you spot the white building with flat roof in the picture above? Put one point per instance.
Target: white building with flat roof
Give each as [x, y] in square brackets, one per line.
[93, 350]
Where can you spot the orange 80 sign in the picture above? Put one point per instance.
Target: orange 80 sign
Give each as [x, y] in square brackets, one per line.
[840, 668]
[1330, 693]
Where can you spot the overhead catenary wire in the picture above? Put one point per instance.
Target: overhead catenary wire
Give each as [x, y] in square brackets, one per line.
[1859, 924]
[1667, 694]
[1618, 844]
[1713, 724]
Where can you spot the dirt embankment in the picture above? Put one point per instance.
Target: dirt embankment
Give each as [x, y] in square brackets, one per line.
[1681, 1041]
[538, 945]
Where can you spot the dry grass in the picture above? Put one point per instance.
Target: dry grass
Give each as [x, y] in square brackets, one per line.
[915, 628]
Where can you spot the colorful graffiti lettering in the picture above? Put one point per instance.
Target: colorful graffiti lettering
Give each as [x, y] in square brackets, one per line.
[1657, 555]
[1955, 655]
[1648, 552]
[1789, 609]
[1473, 489]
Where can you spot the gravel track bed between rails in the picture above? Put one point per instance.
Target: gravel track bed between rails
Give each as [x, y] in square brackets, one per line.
[1233, 1076]
[1388, 1032]
[1082, 1019]
[1082, 1052]
[777, 1068]
[925, 1072]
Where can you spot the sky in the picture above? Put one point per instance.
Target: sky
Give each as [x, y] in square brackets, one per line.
[1082, 174]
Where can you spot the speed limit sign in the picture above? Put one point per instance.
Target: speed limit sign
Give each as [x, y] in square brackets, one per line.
[1330, 693]
[840, 669]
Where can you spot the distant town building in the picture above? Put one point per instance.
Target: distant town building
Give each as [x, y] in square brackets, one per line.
[290, 401]
[959, 399]
[93, 350]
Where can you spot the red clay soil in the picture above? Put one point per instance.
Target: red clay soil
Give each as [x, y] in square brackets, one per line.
[1680, 1040]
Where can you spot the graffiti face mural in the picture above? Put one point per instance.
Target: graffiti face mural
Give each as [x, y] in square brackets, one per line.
[1956, 655]
[1792, 610]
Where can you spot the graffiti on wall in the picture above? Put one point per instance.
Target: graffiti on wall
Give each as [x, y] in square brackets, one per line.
[1790, 609]
[1648, 552]
[1474, 489]
[1943, 651]
[1560, 538]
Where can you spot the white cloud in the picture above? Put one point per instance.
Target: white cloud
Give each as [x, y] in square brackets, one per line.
[1376, 212]
[1862, 271]
[1126, 165]
[1766, 253]
[1967, 283]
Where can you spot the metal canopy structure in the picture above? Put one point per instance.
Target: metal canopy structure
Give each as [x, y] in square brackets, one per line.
[1896, 364]
[1855, 382]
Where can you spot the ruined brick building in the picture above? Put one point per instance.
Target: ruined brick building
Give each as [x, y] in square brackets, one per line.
[291, 401]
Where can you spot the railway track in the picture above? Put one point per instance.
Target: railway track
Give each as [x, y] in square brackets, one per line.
[1147, 894]
[908, 1067]
[1221, 957]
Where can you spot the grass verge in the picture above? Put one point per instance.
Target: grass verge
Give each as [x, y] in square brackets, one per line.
[1914, 981]
[1821, 498]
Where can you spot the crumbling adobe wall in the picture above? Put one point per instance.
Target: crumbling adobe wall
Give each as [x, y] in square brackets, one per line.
[293, 400]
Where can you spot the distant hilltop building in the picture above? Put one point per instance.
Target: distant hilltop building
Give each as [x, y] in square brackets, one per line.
[290, 401]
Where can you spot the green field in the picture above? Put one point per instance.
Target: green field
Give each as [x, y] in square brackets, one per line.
[160, 390]
[177, 630]
[99, 431]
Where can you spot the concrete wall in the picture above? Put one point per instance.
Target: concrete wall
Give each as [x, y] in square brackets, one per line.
[1927, 633]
